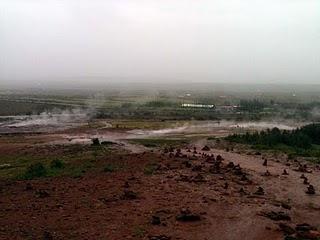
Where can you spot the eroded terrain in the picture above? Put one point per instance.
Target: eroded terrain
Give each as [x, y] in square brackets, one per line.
[168, 187]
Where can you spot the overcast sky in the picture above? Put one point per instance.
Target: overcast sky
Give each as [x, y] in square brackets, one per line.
[256, 41]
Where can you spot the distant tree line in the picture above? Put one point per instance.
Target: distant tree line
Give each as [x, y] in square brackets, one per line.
[303, 137]
[252, 105]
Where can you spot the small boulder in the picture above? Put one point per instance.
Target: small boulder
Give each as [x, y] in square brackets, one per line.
[187, 216]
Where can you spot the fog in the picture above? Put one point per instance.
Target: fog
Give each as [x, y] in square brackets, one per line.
[214, 41]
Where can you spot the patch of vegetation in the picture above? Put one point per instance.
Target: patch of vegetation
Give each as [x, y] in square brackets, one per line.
[35, 171]
[107, 143]
[68, 160]
[95, 142]
[212, 138]
[150, 169]
[110, 168]
[254, 105]
[139, 231]
[303, 141]
[77, 172]
[161, 103]
[57, 164]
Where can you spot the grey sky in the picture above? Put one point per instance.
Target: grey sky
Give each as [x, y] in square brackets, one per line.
[260, 41]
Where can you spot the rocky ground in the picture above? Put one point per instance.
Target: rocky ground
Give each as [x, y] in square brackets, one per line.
[192, 192]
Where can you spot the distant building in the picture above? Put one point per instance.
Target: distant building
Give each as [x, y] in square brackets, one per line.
[192, 105]
[227, 108]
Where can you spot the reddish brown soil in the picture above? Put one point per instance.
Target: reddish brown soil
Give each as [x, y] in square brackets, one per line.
[94, 206]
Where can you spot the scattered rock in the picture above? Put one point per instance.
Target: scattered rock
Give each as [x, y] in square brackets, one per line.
[265, 163]
[242, 191]
[187, 216]
[304, 227]
[277, 216]
[219, 158]
[244, 177]
[42, 193]
[311, 190]
[285, 206]
[286, 229]
[303, 168]
[303, 176]
[156, 220]
[159, 237]
[198, 178]
[197, 168]
[267, 174]
[129, 195]
[29, 187]
[230, 165]
[47, 235]
[206, 148]
[260, 191]
[215, 169]
[126, 184]
[306, 231]
[237, 170]
[285, 172]
[187, 164]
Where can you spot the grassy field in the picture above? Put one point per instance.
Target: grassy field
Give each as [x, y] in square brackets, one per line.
[160, 104]
[71, 160]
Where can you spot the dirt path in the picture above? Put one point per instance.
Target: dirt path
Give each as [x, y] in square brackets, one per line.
[279, 187]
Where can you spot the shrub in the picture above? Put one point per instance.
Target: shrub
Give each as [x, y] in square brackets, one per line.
[35, 170]
[95, 142]
[150, 169]
[57, 164]
[109, 168]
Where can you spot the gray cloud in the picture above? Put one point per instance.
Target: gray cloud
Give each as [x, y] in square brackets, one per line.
[207, 41]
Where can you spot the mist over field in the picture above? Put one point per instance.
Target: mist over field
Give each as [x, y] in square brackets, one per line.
[53, 43]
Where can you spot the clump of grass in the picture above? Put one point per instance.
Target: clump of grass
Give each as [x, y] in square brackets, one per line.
[57, 164]
[35, 171]
[107, 143]
[150, 169]
[110, 168]
[77, 172]
[212, 138]
[139, 232]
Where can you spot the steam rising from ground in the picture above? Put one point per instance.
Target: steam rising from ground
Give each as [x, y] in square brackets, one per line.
[217, 127]
[46, 121]
[52, 118]
[315, 112]
[64, 119]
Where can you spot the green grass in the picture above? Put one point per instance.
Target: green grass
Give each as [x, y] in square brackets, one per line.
[35, 170]
[139, 231]
[57, 164]
[111, 168]
[70, 161]
[150, 169]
